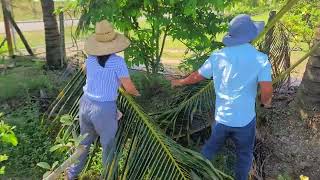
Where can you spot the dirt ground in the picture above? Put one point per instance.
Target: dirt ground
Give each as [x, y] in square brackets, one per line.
[292, 148]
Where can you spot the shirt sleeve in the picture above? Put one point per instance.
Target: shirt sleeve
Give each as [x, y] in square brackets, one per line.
[122, 70]
[265, 72]
[206, 69]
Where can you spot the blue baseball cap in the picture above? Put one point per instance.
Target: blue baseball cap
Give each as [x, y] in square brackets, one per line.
[242, 29]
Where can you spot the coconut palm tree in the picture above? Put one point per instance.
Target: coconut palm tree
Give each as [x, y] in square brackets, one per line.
[309, 90]
[52, 36]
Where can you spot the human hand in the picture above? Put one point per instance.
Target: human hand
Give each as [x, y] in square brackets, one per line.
[119, 114]
[176, 83]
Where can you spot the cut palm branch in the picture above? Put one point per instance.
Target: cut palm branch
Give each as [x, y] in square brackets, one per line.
[187, 109]
[146, 152]
[276, 45]
[141, 150]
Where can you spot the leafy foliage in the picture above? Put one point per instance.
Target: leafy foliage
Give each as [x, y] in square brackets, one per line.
[190, 111]
[140, 149]
[33, 147]
[253, 6]
[150, 153]
[181, 118]
[7, 136]
[302, 20]
[148, 23]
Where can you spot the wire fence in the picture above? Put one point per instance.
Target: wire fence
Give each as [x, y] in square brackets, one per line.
[34, 32]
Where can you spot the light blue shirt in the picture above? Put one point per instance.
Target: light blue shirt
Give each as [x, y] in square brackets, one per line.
[236, 71]
[102, 83]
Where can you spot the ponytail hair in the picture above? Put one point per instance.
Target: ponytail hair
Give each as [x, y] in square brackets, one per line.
[103, 59]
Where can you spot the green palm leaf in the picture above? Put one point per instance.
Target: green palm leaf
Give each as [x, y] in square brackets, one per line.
[192, 114]
[151, 154]
[192, 105]
[141, 150]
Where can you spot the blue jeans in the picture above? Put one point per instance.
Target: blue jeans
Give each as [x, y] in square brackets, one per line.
[243, 137]
[96, 119]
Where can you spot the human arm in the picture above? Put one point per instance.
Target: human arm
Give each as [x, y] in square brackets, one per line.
[205, 72]
[266, 91]
[265, 83]
[193, 78]
[125, 80]
[128, 86]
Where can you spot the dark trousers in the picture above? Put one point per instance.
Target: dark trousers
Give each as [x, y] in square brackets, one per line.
[243, 137]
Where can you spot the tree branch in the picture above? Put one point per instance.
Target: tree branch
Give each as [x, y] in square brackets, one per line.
[163, 42]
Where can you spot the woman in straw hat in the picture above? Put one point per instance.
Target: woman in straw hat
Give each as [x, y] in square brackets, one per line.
[106, 72]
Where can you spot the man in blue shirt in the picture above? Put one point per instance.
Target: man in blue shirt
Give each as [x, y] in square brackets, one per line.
[236, 70]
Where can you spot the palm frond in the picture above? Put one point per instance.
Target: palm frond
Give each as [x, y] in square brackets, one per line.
[141, 149]
[276, 45]
[292, 67]
[204, 95]
[146, 152]
[191, 112]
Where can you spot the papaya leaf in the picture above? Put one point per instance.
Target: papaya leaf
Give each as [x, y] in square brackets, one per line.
[44, 165]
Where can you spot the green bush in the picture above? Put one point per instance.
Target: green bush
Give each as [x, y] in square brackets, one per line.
[156, 91]
[303, 20]
[19, 81]
[7, 136]
[34, 144]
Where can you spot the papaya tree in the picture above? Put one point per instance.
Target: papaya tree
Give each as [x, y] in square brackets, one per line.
[148, 24]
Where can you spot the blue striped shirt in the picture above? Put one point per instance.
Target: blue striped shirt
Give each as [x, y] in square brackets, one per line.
[102, 83]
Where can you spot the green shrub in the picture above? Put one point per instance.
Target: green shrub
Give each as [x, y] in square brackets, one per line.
[34, 144]
[19, 81]
[7, 136]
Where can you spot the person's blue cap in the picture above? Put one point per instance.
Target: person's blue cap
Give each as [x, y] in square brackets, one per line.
[242, 29]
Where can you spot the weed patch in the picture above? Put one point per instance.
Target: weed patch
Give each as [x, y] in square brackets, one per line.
[33, 147]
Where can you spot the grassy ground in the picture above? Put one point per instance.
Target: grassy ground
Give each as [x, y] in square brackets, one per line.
[20, 106]
[26, 10]
[34, 143]
[36, 39]
[16, 82]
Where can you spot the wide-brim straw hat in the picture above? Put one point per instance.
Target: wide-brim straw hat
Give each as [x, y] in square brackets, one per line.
[242, 29]
[105, 40]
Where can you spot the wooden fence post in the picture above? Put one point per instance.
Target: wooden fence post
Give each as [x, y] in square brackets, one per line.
[269, 35]
[62, 39]
[7, 27]
[16, 28]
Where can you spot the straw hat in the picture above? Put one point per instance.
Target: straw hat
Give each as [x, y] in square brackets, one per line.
[105, 40]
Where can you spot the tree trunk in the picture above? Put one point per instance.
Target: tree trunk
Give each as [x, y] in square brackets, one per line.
[52, 36]
[309, 90]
